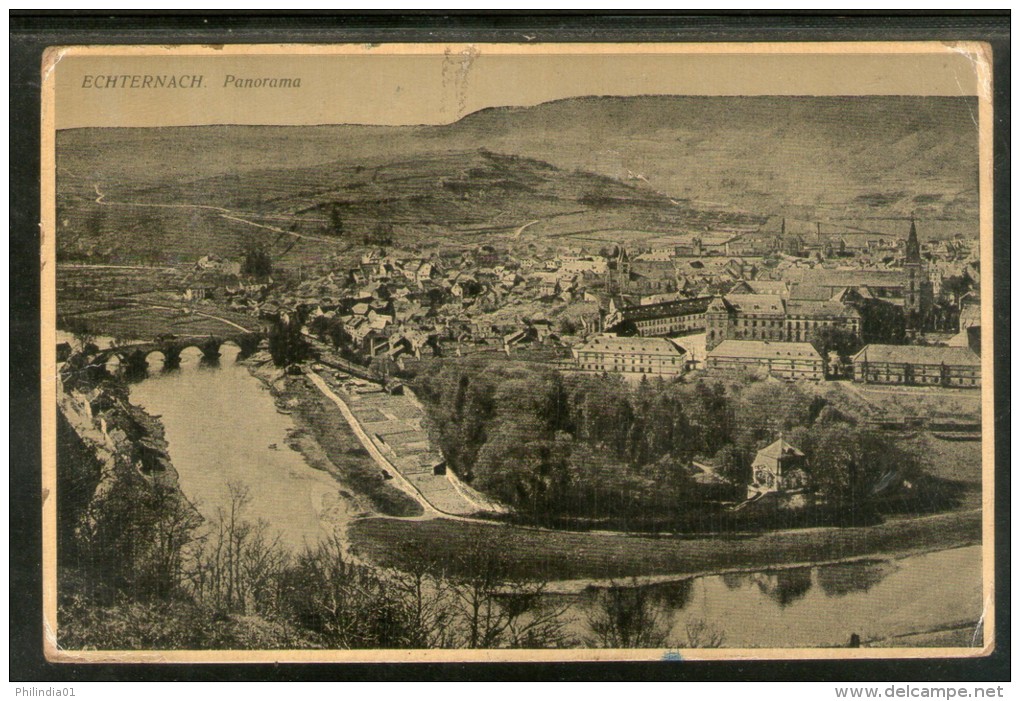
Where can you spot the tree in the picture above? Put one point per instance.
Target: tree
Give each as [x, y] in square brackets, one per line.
[287, 345]
[336, 220]
[257, 260]
[832, 338]
[882, 322]
[955, 287]
[848, 462]
[427, 594]
[627, 617]
[84, 334]
[764, 409]
[496, 607]
[732, 463]
[235, 567]
[344, 604]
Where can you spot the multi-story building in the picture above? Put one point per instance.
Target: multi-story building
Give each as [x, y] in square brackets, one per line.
[789, 361]
[917, 365]
[769, 317]
[665, 318]
[907, 287]
[804, 317]
[652, 356]
[745, 317]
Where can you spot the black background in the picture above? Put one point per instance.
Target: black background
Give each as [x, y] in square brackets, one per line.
[31, 32]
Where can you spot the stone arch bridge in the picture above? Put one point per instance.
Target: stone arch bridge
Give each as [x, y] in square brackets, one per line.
[135, 356]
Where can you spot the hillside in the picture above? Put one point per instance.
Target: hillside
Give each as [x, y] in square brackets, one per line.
[454, 197]
[654, 163]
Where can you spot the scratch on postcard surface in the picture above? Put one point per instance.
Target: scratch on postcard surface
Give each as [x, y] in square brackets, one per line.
[980, 60]
[467, 60]
[51, 57]
[979, 628]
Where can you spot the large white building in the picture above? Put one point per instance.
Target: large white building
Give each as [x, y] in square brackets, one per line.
[652, 356]
[788, 361]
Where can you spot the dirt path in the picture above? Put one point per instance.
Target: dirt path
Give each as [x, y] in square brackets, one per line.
[223, 212]
[197, 313]
[402, 483]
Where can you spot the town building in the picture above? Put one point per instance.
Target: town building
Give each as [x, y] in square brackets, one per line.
[788, 361]
[664, 318]
[746, 317]
[652, 356]
[907, 287]
[778, 467]
[804, 317]
[770, 317]
[917, 365]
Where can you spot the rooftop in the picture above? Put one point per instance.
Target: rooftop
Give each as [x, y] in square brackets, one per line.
[825, 277]
[779, 449]
[695, 305]
[764, 350]
[751, 303]
[632, 344]
[917, 355]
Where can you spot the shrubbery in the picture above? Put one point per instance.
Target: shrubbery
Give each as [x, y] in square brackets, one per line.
[596, 447]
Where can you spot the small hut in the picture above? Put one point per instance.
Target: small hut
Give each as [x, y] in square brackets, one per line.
[777, 468]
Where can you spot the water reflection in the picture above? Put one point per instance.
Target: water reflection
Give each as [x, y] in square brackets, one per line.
[852, 577]
[784, 586]
[223, 428]
[827, 604]
[673, 595]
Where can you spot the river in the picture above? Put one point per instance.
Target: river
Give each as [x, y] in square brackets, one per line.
[817, 606]
[223, 429]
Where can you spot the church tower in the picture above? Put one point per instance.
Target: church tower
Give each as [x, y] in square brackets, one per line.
[622, 268]
[916, 286]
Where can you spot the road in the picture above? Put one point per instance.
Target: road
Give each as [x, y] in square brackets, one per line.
[197, 313]
[380, 459]
[223, 212]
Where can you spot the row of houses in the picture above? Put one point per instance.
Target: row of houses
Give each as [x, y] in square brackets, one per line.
[876, 363]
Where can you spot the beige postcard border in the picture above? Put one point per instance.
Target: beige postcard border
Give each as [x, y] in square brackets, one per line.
[978, 53]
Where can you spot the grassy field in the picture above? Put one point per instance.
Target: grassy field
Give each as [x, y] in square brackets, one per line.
[144, 323]
[553, 556]
[138, 303]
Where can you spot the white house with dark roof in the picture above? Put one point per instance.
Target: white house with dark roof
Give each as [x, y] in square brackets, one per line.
[651, 356]
[788, 361]
[946, 366]
[777, 467]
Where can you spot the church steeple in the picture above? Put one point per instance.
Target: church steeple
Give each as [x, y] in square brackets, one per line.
[913, 249]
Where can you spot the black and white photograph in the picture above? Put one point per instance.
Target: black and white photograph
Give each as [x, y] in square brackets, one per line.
[507, 352]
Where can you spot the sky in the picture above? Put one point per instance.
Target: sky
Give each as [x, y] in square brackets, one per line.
[438, 84]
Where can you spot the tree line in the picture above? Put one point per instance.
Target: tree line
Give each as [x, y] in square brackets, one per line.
[595, 446]
[141, 570]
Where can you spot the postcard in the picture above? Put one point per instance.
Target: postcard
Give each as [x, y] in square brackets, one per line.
[517, 352]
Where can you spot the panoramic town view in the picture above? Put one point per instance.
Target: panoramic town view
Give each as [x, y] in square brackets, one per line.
[605, 372]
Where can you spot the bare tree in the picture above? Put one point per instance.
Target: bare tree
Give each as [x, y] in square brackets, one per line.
[622, 616]
[428, 598]
[702, 634]
[345, 604]
[237, 563]
[497, 608]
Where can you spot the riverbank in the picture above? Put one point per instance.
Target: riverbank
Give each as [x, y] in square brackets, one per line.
[327, 443]
[574, 560]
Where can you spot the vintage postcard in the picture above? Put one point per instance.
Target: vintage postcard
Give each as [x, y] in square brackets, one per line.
[424, 352]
